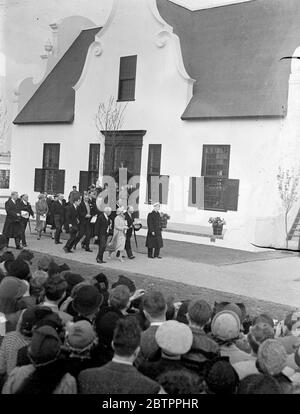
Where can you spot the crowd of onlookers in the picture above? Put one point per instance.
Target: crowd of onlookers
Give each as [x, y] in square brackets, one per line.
[63, 334]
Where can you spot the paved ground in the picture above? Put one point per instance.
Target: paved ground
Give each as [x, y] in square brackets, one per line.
[267, 276]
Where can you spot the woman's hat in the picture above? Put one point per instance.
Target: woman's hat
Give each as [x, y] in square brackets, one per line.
[80, 335]
[120, 210]
[45, 346]
[87, 300]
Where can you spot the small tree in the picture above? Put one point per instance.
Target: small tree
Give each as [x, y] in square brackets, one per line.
[109, 120]
[3, 122]
[287, 181]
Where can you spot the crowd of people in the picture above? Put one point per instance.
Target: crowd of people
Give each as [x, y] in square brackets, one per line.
[82, 219]
[63, 334]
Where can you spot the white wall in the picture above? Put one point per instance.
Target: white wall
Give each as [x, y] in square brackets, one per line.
[163, 89]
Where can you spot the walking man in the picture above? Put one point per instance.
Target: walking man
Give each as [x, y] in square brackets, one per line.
[26, 212]
[12, 225]
[58, 217]
[73, 222]
[102, 228]
[129, 219]
[84, 212]
[154, 238]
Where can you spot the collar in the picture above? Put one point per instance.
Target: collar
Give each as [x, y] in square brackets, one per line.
[156, 323]
[50, 304]
[105, 216]
[119, 360]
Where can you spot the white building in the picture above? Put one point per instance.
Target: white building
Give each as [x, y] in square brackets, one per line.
[210, 106]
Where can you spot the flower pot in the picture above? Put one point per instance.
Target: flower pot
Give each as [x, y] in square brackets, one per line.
[217, 229]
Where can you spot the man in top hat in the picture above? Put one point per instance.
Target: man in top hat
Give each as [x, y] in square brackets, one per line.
[72, 219]
[154, 239]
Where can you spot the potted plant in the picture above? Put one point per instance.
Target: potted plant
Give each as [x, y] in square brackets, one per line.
[217, 225]
[164, 220]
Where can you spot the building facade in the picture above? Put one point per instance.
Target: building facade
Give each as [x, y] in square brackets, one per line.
[211, 110]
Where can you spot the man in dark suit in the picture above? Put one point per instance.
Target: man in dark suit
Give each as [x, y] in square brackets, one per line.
[84, 212]
[58, 217]
[12, 225]
[73, 222]
[102, 227]
[26, 212]
[154, 239]
[129, 219]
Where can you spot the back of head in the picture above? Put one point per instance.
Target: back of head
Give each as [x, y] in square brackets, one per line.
[72, 280]
[258, 334]
[20, 269]
[119, 297]
[55, 287]
[199, 312]
[26, 255]
[226, 326]
[271, 357]
[44, 262]
[31, 317]
[259, 384]
[221, 377]
[125, 281]
[53, 268]
[265, 318]
[127, 336]
[154, 304]
[45, 346]
[178, 382]
[11, 290]
[174, 338]
[87, 300]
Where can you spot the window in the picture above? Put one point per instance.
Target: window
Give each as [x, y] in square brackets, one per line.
[94, 160]
[157, 185]
[127, 77]
[4, 178]
[49, 178]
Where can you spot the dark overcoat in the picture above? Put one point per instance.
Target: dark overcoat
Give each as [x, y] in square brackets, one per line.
[12, 225]
[154, 225]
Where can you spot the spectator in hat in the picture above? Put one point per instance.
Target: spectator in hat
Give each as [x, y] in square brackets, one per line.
[6, 259]
[225, 330]
[86, 303]
[174, 340]
[12, 290]
[27, 256]
[67, 305]
[154, 308]
[81, 348]
[72, 280]
[271, 360]
[107, 318]
[47, 372]
[290, 337]
[256, 336]
[15, 340]
[55, 290]
[46, 317]
[259, 384]
[119, 376]
[37, 285]
[220, 377]
[203, 348]
[180, 382]
[44, 262]
[20, 269]
[101, 283]
[125, 281]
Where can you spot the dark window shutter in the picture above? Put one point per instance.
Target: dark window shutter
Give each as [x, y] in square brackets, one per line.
[39, 180]
[51, 156]
[164, 189]
[154, 159]
[196, 192]
[83, 181]
[127, 77]
[60, 182]
[231, 194]
[94, 157]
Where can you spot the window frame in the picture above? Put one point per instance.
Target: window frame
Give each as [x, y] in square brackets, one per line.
[123, 78]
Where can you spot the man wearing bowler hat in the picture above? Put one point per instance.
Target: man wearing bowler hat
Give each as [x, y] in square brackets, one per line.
[154, 238]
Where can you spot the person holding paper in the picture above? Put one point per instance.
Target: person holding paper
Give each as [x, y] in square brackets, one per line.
[12, 225]
[41, 209]
[26, 212]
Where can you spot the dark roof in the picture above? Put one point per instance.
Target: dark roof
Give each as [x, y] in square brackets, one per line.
[54, 100]
[233, 52]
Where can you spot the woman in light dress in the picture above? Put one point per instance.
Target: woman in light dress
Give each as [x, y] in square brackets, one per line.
[41, 209]
[117, 243]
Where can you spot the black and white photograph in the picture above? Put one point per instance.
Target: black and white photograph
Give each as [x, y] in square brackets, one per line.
[149, 199]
